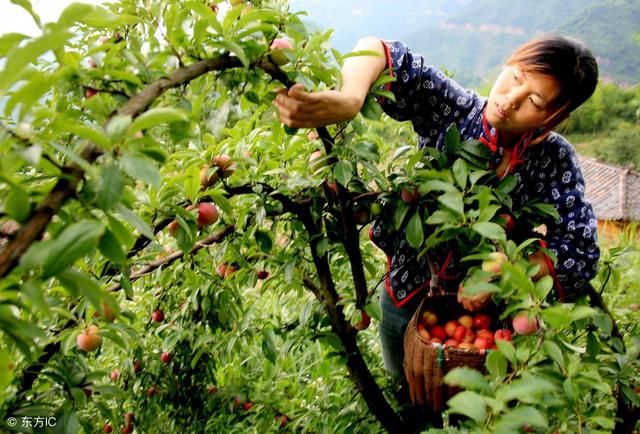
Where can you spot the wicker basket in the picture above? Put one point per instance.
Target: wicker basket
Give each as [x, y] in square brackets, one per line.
[426, 364]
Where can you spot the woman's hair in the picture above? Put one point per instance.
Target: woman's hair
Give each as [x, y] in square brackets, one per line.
[568, 61]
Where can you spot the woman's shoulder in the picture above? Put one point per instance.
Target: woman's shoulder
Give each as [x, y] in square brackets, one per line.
[557, 146]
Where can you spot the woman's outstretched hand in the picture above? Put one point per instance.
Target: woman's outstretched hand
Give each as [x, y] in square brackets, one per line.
[300, 109]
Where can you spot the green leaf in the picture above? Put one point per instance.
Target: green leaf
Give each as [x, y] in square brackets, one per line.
[26, 5]
[453, 201]
[158, 116]
[460, 172]
[29, 94]
[546, 209]
[517, 277]
[17, 205]
[269, 346]
[204, 11]
[9, 41]
[436, 185]
[440, 217]
[513, 420]
[221, 200]
[135, 221]
[236, 49]
[582, 312]
[496, 364]
[467, 378]
[603, 322]
[111, 334]
[192, 183]
[6, 371]
[83, 284]
[290, 131]
[343, 171]
[479, 287]
[264, 241]
[452, 142]
[139, 167]
[554, 351]
[88, 132]
[557, 316]
[469, 404]
[110, 247]
[527, 389]
[371, 109]
[34, 293]
[543, 287]
[20, 57]
[75, 241]
[490, 230]
[507, 349]
[507, 184]
[399, 214]
[93, 16]
[117, 127]
[604, 422]
[110, 188]
[415, 231]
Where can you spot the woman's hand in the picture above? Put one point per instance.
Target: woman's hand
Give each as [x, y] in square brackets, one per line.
[300, 109]
[473, 302]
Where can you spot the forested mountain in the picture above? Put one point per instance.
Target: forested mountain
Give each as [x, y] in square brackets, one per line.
[472, 38]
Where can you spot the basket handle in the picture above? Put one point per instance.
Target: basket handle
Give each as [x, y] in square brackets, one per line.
[434, 283]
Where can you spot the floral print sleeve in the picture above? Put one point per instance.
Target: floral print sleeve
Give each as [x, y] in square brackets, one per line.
[427, 97]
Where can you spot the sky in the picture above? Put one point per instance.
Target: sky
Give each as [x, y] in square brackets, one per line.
[15, 19]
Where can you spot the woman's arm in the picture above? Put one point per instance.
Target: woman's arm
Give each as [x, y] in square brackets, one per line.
[300, 109]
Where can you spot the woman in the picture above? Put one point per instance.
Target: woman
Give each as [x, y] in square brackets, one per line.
[540, 84]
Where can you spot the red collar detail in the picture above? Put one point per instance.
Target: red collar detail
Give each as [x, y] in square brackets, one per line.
[492, 143]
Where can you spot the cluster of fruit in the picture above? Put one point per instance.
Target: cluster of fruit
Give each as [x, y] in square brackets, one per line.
[471, 332]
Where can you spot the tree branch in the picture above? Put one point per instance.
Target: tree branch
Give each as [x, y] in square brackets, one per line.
[208, 241]
[358, 370]
[66, 187]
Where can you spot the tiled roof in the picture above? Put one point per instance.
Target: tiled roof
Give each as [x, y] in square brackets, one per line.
[614, 191]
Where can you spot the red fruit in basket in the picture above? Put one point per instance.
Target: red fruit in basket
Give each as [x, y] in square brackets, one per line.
[429, 319]
[460, 333]
[469, 337]
[451, 343]
[466, 321]
[481, 321]
[450, 327]
[438, 332]
[482, 343]
[466, 346]
[485, 334]
[502, 334]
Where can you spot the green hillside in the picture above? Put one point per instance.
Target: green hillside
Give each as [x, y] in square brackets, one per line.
[474, 43]
[610, 30]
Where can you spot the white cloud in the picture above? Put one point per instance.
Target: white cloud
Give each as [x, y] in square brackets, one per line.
[357, 12]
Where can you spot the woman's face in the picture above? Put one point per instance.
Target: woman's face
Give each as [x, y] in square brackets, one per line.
[521, 101]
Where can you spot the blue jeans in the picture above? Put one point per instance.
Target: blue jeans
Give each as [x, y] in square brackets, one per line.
[391, 328]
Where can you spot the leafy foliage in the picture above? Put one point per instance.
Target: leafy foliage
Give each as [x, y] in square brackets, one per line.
[114, 125]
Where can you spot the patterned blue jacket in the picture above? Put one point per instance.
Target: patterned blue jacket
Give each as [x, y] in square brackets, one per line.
[549, 172]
